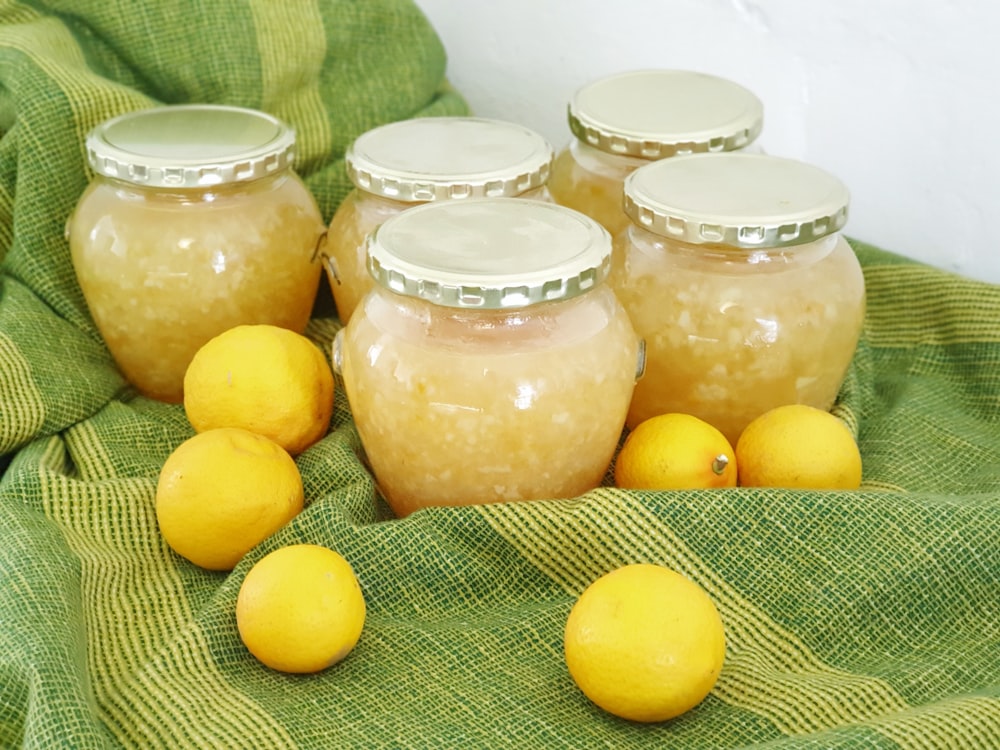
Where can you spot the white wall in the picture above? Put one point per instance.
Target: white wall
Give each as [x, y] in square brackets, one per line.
[899, 98]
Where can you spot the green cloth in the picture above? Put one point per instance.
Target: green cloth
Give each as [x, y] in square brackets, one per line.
[853, 619]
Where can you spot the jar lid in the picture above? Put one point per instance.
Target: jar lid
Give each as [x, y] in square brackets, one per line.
[654, 114]
[440, 158]
[489, 253]
[190, 145]
[739, 199]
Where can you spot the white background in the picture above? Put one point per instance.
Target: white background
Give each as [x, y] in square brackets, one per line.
[898, 98]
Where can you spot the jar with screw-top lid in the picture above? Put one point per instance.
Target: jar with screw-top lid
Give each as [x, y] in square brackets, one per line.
[194, 222]
[490, 361]
[626, 120]
[736, 274]
[424, 160]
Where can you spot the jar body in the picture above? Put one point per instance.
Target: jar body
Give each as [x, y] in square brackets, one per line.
[732, 333]
[592, 182]
[356, 217]
[457, 406]
[164, 270]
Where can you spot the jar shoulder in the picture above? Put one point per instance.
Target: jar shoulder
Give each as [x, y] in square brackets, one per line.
[387, 316]
[107, 196]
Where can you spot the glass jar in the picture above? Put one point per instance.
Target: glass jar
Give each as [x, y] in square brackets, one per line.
[411, 162]
[194, 222]
[624, 121]
[489, 362]
[735, 273]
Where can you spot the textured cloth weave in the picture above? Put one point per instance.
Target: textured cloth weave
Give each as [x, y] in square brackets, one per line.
[853, 619]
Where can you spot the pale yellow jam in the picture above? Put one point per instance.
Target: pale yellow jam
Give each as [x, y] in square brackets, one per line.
[591, 181]
[356, 217]
[730, 332]
[457, 406]
[163, 270]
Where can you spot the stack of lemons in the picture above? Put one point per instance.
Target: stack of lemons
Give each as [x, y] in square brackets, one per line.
[642, 641]
[258, 395]
[793, 446]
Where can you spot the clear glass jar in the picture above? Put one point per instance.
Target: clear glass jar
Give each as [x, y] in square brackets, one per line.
[624, 121]
[194, 222]
[735, 273]
[490, 362]
[412, 162]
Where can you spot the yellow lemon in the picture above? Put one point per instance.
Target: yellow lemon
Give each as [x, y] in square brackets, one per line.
[265, 379]
[222, 492]
[800, 447]
[300, 609]
[644, 643]
[675, 452]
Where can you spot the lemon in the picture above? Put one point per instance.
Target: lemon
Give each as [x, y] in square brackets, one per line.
[800, 447]
[300, 609]
[644, 643]
[222, 492]
[265, 379]
[673, 452]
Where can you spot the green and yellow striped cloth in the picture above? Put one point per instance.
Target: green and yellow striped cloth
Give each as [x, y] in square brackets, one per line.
[854, 619]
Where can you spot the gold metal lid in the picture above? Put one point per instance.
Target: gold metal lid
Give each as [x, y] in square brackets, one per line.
[441, 158]
[489, 253]
[191, 145]
[738, 199]
[654, 114]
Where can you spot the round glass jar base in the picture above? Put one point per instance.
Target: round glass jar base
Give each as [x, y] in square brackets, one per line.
[164, 271]
[729, 335]
[471, 407]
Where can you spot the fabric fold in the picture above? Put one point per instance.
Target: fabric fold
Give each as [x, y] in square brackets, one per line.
[865, 618]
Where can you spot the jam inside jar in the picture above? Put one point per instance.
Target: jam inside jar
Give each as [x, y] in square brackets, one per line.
[489, 363]
[745, 292]
[409, 163]
[624, 121]
[195, 222]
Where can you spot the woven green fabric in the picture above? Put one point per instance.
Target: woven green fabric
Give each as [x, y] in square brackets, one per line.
[853, 619]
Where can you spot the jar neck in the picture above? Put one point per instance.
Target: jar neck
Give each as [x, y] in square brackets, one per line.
[615, 166]
[723, 258]
[374, 199]
[421, 311]
[620, 166]
[415, 319]
[202, 194]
